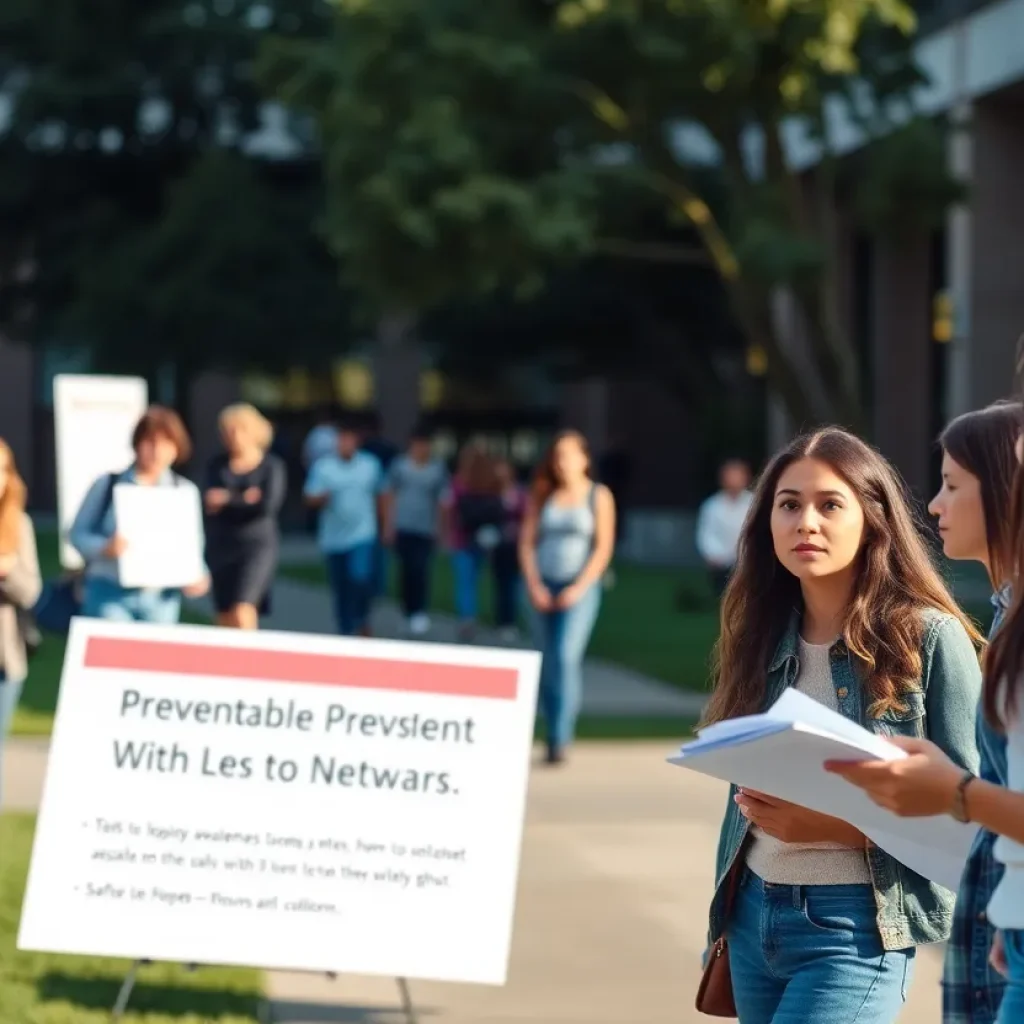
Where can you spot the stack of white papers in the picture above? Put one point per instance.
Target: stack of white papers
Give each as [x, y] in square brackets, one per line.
[782, 753]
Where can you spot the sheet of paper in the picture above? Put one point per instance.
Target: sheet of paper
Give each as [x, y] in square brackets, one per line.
[784, 757]
[163, 528]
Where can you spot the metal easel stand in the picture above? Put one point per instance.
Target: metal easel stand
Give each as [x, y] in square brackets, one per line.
[128, 986]
[408, 1006]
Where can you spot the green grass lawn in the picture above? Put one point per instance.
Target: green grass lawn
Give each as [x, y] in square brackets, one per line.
[43, 988]
[641, 625]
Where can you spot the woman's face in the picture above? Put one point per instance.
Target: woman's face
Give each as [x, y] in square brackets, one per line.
[817, 521]
[5, 471]
[571, 462]
[958, 508]
[235, 434]
[156, 454]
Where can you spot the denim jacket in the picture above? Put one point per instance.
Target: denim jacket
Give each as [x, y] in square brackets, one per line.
[911, 910]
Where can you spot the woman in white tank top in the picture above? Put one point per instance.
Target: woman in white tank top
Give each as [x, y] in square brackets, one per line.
[566, 543]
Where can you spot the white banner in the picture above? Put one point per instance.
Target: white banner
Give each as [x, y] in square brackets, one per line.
[284, 801]
[94, 418]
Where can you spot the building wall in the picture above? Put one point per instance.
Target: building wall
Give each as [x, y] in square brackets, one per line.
[997, 270]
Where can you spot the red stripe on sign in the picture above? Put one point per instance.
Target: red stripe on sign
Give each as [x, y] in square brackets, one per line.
[182, 659]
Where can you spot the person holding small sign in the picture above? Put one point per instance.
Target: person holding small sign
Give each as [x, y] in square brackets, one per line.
[19, 587]
[160, 441]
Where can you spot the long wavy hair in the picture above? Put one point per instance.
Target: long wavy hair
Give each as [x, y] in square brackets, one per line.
[546, 479]
[895, 581]
[12, 504]
[1004, 659]
[984, 442]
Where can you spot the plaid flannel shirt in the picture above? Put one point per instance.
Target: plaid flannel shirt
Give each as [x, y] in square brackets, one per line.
[971, 989]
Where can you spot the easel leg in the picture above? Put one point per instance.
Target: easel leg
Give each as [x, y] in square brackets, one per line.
[126, 992]
[407, 1004]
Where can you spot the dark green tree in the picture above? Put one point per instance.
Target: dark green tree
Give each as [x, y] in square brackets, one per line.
[138, 215]
[469, 147]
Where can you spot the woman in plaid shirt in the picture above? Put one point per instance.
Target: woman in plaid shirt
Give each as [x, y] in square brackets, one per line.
[973, 511]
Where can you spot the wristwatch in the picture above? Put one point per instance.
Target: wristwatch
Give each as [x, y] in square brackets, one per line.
[959, 809]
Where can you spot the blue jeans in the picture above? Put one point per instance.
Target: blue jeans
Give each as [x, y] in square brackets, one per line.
[562, 638]
[467, 564]
[802, 953]
[350, 580]
[379, 578]
[10, 694]
[1011, 1010]
[105, 599]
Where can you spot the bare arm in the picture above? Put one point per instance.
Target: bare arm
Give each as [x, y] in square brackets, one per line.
[604, 538]
[528, 545]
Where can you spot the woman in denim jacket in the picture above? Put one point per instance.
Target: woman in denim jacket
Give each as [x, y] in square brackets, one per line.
[834, 593]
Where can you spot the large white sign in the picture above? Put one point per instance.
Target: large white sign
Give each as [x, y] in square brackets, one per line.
[93, 421]
[163, 531]
[283, 801]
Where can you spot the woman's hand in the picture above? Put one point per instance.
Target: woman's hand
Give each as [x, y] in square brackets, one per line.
[918, 786]
[7, 564]
[540, 597]
[197, 589]
[997, 955]
[569, 596]
[216, 498]
[792, 823]
[251, 495]
[116, 546]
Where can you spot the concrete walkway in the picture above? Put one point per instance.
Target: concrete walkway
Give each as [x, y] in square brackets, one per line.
[613, 890]
[608, 689]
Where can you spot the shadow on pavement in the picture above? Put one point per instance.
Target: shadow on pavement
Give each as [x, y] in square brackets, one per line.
[295, 1012]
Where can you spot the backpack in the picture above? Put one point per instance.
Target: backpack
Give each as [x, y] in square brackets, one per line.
[481, 517]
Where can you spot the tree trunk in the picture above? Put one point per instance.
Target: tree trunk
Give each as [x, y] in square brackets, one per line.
[397, 364]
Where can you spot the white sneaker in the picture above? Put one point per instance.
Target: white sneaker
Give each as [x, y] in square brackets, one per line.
[419, 624]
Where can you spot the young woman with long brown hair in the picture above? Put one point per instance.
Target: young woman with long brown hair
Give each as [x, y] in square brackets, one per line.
[835, 594]
[20, 585]
[565, 545]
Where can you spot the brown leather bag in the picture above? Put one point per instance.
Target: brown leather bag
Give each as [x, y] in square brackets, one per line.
[714, 994]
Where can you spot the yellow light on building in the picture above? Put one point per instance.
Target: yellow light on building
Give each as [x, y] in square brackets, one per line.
[353, 383]
[757, 361]
[943, 312]
[431, 389]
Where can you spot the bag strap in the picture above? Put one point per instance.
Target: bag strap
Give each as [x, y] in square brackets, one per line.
[108, 498]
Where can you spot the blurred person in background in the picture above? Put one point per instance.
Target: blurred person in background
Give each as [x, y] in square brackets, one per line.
[566, 544]
[416, 482]
[505, 558]
[474, 515]
[161, 442]
[244, 491]
[347, 489]
[385, 451]
[720, 522]
[20, 585]
[321, 440]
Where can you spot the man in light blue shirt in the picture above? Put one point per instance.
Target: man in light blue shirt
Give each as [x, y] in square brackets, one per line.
[347, 489]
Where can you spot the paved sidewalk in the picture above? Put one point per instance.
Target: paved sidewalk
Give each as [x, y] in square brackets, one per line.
[608, 689]
[615, 879]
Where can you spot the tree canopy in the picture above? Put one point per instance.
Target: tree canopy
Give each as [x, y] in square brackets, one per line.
[140, 213]
[472, 147]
